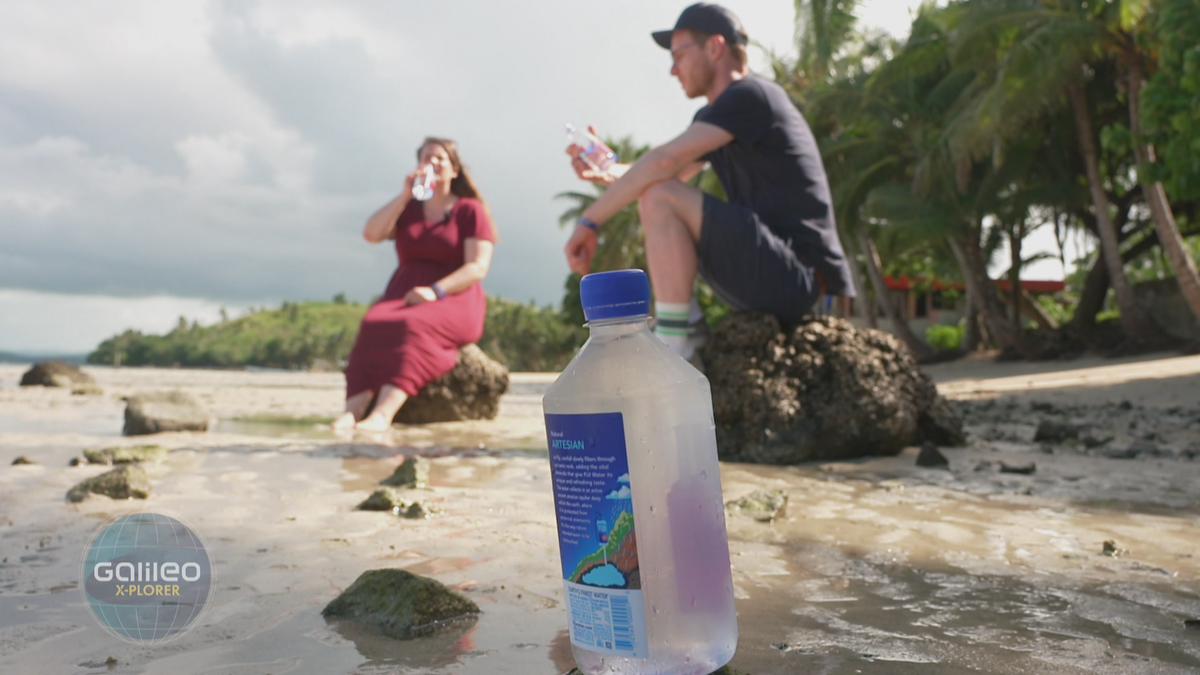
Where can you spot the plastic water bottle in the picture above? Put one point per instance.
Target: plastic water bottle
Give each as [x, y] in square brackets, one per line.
[633, 450]
[422, 187]
[595, 153]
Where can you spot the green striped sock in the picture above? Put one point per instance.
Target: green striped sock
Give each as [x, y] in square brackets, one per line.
[671, 326]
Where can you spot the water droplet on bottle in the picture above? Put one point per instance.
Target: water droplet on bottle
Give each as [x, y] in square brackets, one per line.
[655, 608]
[651, 509]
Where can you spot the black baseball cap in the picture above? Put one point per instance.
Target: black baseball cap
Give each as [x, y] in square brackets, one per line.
[706, 18]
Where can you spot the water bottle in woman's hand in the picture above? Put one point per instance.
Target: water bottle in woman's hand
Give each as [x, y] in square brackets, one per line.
[595, 153]
[422, 187]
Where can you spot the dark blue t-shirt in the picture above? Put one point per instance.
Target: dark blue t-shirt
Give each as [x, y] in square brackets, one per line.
[773, 167]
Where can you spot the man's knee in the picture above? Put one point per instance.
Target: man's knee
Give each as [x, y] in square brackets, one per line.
[656, 199]
[672, 198]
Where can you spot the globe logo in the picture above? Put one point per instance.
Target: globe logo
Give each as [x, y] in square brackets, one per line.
[146, 577]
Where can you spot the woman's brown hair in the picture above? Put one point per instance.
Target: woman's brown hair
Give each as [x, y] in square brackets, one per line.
[462, 185]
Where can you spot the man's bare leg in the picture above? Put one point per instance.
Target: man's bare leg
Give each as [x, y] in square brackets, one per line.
[356, 407]
[386, 406]
[671, 214]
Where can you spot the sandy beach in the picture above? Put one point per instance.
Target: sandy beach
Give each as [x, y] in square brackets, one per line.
[878, 566]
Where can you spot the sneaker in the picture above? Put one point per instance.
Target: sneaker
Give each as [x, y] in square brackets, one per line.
[698, 335]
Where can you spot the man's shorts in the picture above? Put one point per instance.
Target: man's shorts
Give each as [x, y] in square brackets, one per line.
[751, 267]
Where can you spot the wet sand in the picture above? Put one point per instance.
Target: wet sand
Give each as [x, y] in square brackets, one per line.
[878, 566]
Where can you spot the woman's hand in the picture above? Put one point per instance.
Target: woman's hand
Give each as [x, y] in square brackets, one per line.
[419, 295]
[410, 179]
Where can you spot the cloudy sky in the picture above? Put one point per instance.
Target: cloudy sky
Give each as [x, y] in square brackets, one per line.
[160, 159]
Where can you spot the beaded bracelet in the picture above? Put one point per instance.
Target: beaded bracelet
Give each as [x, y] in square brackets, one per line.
[438, 290]
[589, 224]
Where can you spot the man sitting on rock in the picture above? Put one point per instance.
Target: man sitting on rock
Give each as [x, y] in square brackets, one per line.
[773, 247]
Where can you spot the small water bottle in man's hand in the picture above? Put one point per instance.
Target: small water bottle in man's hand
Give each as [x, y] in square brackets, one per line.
[595, 153]
[422, 187]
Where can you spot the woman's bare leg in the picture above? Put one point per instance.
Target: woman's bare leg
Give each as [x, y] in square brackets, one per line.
[356, 407]
[386, 406]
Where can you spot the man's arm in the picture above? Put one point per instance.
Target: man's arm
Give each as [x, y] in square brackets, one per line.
[675, 159]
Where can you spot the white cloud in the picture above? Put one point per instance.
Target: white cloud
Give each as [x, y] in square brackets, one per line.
[623, 493]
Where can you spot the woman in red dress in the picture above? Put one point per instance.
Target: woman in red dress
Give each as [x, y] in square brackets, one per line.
[434, 303]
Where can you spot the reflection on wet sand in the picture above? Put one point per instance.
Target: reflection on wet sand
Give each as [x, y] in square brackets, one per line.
[384, 654]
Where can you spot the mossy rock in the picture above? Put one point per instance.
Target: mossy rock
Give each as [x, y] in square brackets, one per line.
[125, 454]
[413, 473]
[762, 505]
[124, 482]
[398, 502]
[56, 373]
[401, 604]
[160, 411]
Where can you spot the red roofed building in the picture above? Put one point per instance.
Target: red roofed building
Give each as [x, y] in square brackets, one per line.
[939, 302]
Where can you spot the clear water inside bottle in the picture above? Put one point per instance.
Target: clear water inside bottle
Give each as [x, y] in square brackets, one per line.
[683, 552]
[422, 188]
[596, 153]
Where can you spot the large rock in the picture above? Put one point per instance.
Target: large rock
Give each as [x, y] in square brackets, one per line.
[154, 412]
[124, 482]
[820, 391]
[58, 373]
[470, 391]
[401, 604]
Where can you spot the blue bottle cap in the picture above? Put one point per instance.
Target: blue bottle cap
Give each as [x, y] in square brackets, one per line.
[612, 295]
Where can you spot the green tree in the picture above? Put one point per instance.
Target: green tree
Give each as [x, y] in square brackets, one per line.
[1178, 23]
[1033, 57]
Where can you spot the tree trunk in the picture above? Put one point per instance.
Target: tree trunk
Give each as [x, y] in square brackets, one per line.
[1156, 197]
[1014, 271]
[983, 294]
[1135, 322]
[860, 287]
[917, 346]
[1091, 298]
[971, 335]
[1095, 286]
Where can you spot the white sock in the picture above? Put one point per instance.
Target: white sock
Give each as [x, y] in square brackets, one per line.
[671, 326]
[695, 314]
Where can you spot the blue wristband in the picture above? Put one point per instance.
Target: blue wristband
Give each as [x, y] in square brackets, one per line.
[589, 224]
[438, 290]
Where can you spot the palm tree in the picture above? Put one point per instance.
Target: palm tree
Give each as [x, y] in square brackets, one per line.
[1034, 56]
[918, 183]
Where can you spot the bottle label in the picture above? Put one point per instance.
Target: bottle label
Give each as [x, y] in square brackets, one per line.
[594, 504]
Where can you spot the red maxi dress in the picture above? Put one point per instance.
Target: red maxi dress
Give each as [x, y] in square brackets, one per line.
[408, 347]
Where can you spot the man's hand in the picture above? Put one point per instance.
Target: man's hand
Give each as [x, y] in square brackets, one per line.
[419, 295]
[584, 170]
[580, 249]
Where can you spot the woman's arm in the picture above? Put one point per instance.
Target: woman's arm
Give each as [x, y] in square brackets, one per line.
[477, 258]
[382, 223]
